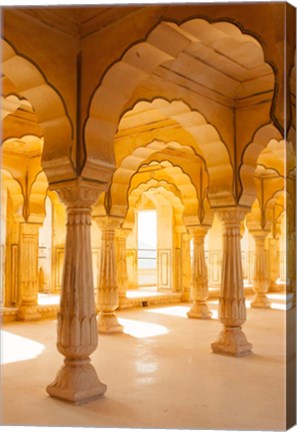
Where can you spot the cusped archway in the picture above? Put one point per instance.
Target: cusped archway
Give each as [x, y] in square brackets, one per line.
[53, 118]
[182, 50]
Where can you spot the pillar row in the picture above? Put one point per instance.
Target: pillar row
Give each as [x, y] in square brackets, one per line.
[199, 293]
[77, 380]
[232, 310]
[28, 273]
[108, 300]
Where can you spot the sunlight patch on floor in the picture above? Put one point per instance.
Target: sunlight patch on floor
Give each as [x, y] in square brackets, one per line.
[279, 306]
[180, 311]
[143, 293]
[142, 329]
[16, 348]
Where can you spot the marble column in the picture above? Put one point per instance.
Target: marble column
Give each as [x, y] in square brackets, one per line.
[186, 267]
[121, 261]
[274, 264]
[199, 292]
[291, 269]
[232, 310]
[261, 279]
[77, 380]
[28, 272]
[108, 287]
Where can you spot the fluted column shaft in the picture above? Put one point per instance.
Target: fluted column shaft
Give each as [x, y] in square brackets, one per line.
[121, 261]
[108, 300]
[186, 267]
[28, 273]
[291, 269]
[77, 380]
[274, 263]
[199, 293]
[232, 310]
[261, 280]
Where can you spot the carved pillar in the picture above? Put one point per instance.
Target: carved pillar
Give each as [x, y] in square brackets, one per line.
[261, 280]
[28, 272]
[232, 311]
[186, 267]
[274, 264]
[121, 261]
[199, 293]
[77, 380]
[108, 288]
[291, 268]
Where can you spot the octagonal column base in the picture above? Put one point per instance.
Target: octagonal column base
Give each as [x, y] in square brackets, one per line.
[108, 323]
[232, 341]
[199, 310]
[76, 382]
[261, 301]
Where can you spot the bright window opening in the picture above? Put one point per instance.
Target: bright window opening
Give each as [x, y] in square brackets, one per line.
[147, 247]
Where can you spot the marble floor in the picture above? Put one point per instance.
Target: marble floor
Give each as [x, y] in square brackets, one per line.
[160, 374]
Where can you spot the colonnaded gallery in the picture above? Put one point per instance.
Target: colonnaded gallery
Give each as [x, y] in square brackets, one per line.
[148, 195]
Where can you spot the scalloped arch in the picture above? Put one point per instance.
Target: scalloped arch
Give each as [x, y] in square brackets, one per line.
[164, 43]
[37, 197]
[249, 159]
[169, 191]
[49, 106]
[15, 191]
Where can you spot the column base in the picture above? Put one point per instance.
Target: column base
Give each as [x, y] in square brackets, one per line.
[122, 298]
[28, 313]
[232, 341]
[186, 296]
[274, 287]
[290, 301]
[76, 382]
[108, 323]
[199, 311]
[260, 301]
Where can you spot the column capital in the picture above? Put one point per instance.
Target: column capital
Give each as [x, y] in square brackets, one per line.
[78, 192]
[30, 228]
[108, 222]
[232, 215]
[186, 236]
[259, 234]
[123, 233]
[198, 231]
